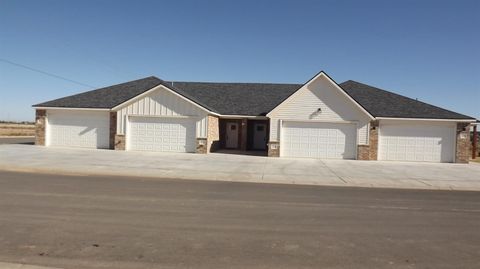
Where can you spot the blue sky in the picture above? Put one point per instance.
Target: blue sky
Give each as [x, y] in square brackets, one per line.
[422, 49]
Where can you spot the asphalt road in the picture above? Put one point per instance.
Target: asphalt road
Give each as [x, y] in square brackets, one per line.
[17, 140]
[102, 222]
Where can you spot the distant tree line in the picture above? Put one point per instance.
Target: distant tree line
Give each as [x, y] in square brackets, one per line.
[17, 122]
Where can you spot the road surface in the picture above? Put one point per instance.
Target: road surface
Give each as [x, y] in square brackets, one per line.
[115, 222]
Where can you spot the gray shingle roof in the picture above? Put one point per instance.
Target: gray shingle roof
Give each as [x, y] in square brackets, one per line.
[252, 99]
[381, 103]
[107, 97]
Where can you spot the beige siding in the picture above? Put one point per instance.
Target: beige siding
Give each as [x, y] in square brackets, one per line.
[162, 103]
[335, 107]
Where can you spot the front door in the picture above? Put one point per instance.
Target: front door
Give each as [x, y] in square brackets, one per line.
[260, 136]
[232, 135]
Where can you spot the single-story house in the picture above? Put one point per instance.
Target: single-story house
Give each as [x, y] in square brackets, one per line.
[318, 119]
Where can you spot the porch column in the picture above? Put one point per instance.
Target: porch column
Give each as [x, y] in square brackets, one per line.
[462, 152]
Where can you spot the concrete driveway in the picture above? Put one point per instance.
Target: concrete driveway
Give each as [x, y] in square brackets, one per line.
[229, 167]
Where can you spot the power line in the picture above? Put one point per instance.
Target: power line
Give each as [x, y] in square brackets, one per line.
[46, 73]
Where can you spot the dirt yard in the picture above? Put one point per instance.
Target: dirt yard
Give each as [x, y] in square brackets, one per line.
[17, 129]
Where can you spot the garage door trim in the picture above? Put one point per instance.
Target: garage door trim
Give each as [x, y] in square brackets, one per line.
[100, 120]
[281, 136]
[444, 124]
[128, 122]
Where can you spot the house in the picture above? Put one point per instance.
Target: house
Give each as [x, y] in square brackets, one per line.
[319, 119]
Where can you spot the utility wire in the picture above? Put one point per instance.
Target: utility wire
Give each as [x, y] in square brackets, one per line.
[46, 73]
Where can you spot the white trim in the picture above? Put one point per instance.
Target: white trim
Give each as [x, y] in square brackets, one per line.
[368, 135]
[349, 97]
[454, 144]
[425, 119]
[127, 125]
[242, 116]
[299, 91]
[379, 138]
[280, 141]
[160, 116]
[118, 107]
[320, 121]
[72, 108]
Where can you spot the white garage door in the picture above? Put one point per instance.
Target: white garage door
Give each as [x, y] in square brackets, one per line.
[417, 142]
[161, 134]
[318, 140]
[78, 129]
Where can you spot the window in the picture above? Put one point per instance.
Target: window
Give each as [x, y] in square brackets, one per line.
[260, 128]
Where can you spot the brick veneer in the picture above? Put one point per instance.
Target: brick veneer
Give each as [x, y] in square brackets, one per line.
[273, 149]
[119, 142]
[363, 152]
[213, 134]
[40, 121]
[462, 150]
[113, 129]
[370, 151]
[201, 145]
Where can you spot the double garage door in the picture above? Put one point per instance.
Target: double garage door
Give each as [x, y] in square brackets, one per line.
[430, 142]
[77, 129]
[92, 130]
[161, 134]
[318, 140]
[397, 141]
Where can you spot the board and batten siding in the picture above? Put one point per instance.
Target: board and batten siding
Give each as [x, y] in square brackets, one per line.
[161, 103]
[335, 107]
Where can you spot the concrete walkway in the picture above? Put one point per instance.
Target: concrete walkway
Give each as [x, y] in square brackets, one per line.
[229, 167]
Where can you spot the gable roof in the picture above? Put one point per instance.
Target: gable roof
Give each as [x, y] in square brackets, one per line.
[382, 103]
[252, 99]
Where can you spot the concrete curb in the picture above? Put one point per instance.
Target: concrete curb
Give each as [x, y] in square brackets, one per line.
[57, 171]
[6, 265]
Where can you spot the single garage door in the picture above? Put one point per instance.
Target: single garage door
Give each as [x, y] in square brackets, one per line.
[318, 140]
[77, 129]
[161, 134]
[416, 142]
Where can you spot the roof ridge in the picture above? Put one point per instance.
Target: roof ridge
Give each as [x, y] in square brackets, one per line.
[217, 82]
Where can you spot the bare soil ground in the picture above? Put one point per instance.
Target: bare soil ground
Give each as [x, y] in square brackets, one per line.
[17, 129]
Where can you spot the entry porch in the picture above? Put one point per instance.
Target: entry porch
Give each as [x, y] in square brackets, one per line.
[238, 135]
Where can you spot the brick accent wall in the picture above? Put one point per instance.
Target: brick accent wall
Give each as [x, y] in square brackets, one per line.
[213, 134]
[119, 142]
[40, 122]
[201, 146]
[370, 151]
[273, 149]
[462, 151]
[363, 152]
[373, 140]
[113, 129]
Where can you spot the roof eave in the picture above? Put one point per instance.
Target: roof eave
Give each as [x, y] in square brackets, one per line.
[426, 119]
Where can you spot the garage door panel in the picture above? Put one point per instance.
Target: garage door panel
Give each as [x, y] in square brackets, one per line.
[415, 142]
[161, 134]
[318, 140]
[81, 129]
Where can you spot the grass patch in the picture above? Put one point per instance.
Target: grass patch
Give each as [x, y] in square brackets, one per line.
[15, 129]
